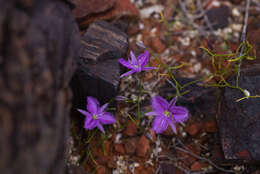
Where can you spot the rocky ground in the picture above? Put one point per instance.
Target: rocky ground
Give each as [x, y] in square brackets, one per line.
[173, 31]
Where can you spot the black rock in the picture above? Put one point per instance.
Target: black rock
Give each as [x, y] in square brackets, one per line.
[39, 41]
[239, 122]
[98, 71]
[218, 17]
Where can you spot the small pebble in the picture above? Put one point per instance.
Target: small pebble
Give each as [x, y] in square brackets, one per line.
[235, 12]
[247, 93]
[197, 67]
[193, 53]
[141, 26]
[118, 137]
[184, 41]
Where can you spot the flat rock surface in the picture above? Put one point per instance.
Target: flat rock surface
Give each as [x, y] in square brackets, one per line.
[239, 122]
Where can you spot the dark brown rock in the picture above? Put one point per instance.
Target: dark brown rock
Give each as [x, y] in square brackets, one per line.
[210, 126]
[194, 129]
[131, 129]
[85, 8]
[157, 45]
[142, 169]
[239, 122]
[218, 16]
[98, 71]
[38, 45]
[111, 163]
[100, 156]
[120, 148]
[130, 145]
[100, 169]
[198, 165]
[143, 146]
[122, 9]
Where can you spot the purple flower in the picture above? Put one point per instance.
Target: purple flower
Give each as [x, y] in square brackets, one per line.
[166, 114]
[136, 64]
[96, 116]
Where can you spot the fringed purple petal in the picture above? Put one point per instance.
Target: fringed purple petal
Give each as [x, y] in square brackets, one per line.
[138, 69]
[107, 118]
[148, 68]
[152, 113]
[102, 108]
[133, 58]
[84, 112]
[180, 114]
[125, 63]
[172, 104]
[92, 105]
[143, 58]
[100, 127]
[127, 73]
[159, 104]
[90, 123]
[160, 124]
[173, 126]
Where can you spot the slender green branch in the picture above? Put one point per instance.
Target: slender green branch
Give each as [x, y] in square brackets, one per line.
[139, 100]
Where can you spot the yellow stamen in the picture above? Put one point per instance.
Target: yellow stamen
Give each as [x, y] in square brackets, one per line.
[167, 113]
[94, 116]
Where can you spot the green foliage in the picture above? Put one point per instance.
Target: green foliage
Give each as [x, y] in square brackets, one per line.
[225, 65]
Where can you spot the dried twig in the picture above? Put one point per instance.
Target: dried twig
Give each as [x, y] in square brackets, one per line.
[191, 21]
[186, 150]
[187, 170]
[256, 2]
[202, 13]
[205, 16]
[243, 36]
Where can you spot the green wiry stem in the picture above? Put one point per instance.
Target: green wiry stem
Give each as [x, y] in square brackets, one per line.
[176, 84]
[139, 100]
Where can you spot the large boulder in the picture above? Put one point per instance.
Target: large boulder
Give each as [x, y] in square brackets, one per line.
[239, 122]
[38, 43]
[98, 72]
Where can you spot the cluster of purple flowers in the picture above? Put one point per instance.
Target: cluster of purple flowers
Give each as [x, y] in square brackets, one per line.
[165, 113]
